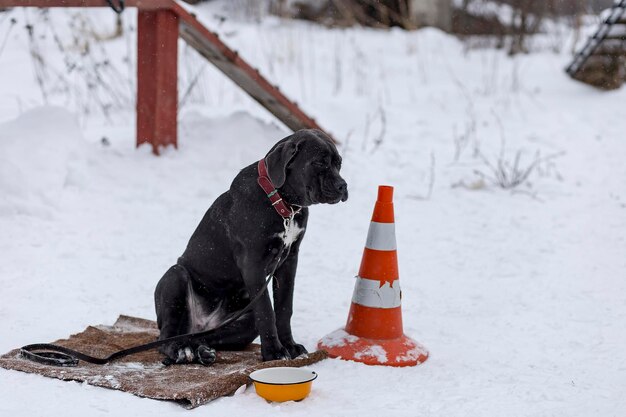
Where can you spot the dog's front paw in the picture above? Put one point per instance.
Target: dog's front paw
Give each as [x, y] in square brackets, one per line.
[274, 352]
[203, 355]
[179, 356]
[295, 349]
[206, 355]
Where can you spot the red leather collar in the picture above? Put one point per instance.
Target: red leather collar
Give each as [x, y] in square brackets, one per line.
[278, 203]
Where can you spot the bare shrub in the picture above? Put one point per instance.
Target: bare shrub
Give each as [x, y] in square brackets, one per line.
[466, 136]
[511, 173]
[12, 23]
[508, 171]
[377, 139]
[89, 79]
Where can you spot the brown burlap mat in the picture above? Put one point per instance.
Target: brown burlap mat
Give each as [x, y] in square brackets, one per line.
[143, 374]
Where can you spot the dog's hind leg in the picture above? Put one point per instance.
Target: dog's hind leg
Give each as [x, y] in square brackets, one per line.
[172, 312]
[180, 310]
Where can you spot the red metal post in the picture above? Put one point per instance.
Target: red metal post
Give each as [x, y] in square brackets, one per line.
[157, 64]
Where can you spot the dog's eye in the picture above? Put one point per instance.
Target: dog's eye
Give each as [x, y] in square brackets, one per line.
[320, 164]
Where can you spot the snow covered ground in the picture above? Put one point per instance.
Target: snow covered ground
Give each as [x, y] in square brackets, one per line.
[520, 296]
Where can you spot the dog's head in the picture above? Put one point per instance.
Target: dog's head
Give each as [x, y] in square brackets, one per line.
[305, 167]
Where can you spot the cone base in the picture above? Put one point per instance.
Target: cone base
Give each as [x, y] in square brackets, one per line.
[402, 351]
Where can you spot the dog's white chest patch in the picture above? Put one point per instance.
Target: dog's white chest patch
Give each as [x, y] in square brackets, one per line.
[201, 319]
[291, 233]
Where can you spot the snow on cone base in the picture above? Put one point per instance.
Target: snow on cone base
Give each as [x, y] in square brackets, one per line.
[373, 334]
[402, 351]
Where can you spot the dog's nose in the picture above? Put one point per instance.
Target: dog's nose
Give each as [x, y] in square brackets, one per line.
[343, 189]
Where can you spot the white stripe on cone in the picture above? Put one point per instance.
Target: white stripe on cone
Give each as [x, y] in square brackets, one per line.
[369, 293]
[381, 236]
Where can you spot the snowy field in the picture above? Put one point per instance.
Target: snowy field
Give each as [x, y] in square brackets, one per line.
[520, 295]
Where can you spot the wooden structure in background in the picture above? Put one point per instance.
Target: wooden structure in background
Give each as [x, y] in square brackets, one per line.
[601, 62]
[160, 23]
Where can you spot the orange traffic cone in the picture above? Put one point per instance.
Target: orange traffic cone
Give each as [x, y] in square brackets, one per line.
[373, 334]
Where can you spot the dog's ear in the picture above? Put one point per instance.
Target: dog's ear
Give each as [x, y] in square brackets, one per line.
[278, 159]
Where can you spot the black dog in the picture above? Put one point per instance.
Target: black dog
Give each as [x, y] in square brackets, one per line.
[241, 239]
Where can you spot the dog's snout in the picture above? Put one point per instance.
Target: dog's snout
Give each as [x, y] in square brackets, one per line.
[342, 187]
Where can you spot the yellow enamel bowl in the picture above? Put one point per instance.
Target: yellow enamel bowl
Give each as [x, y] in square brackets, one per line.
[283, 383]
